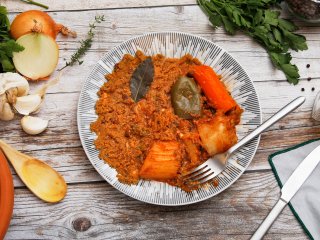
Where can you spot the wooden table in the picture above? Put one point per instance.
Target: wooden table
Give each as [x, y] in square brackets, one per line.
[94, 209]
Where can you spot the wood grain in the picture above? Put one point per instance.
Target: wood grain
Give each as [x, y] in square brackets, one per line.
[60, 146]
[234, 214]
[190, 19]
[73, 5]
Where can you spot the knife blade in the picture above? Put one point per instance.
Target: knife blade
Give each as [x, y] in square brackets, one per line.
[289, 189]
[300, 175]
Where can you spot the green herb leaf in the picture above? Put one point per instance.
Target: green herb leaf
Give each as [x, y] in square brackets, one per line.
[282, 62]
[216, 20]
[296, 41]
[278, 58]
[141, 79]
[287, 25]
[277, 35]
[271, 17]
[258, 18]
[230, 28]
[7, 45]
[6, 63]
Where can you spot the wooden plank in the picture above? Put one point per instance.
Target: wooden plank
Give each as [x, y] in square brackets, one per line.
[74, 166]
[117, 29]
[59, 145]
[61, 109]
[260, 71]
[233, 214]
[74, 5]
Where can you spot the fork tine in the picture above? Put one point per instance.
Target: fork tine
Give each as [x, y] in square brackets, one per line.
[195, 170]
[190, 174]
[197, 173]
[209, 178]
[201, 178]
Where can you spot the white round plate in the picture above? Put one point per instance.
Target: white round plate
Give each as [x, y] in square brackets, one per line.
[173, 44]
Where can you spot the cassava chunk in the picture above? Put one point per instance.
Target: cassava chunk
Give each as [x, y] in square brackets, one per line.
[218, 134]
[162, 162]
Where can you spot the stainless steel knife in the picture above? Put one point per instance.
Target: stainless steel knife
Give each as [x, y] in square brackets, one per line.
[289, 189]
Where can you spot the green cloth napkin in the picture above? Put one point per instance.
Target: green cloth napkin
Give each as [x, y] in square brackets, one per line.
[305, 205]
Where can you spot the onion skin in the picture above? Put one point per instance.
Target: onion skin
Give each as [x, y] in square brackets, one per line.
[6, 195]
[37, 21]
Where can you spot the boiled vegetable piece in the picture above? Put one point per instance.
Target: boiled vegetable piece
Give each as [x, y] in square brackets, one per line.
[162, 162]
[192, 150]
[186, 98]
[218, 134]
[213, 88]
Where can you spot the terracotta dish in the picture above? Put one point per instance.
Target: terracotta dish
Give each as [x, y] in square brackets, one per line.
[6, 195]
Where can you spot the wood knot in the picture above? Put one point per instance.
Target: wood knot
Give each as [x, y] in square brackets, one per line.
[81, 224]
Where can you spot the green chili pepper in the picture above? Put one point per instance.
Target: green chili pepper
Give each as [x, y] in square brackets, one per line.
[186, 98]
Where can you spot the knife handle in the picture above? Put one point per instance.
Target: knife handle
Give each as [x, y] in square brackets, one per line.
[268, 221]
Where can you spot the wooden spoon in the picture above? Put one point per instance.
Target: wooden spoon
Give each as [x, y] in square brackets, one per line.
[40, 178]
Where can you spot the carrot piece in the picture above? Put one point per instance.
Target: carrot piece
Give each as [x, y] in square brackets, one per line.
[6, 195]
[161, 163]
[213, 88]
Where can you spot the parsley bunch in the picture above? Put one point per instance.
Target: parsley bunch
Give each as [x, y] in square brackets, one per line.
[255, 18]
[7, 45]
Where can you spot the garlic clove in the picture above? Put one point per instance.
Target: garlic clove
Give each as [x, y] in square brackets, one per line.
[33, 125]
[6, 114]
[27, 104]
[12, 94]
[3, 100]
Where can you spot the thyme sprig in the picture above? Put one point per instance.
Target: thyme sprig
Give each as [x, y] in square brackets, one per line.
[85, 45]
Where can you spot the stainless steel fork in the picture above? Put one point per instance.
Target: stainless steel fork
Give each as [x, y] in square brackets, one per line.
[215, 165]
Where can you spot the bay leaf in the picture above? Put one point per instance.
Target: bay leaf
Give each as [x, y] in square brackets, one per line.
[141, 79]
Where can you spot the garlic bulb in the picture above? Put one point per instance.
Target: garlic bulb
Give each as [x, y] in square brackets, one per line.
[33, 125]
[13, 80]
[6, 112]
[12, 85]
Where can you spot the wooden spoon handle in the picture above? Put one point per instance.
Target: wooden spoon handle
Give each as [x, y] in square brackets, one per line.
[15, 157]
